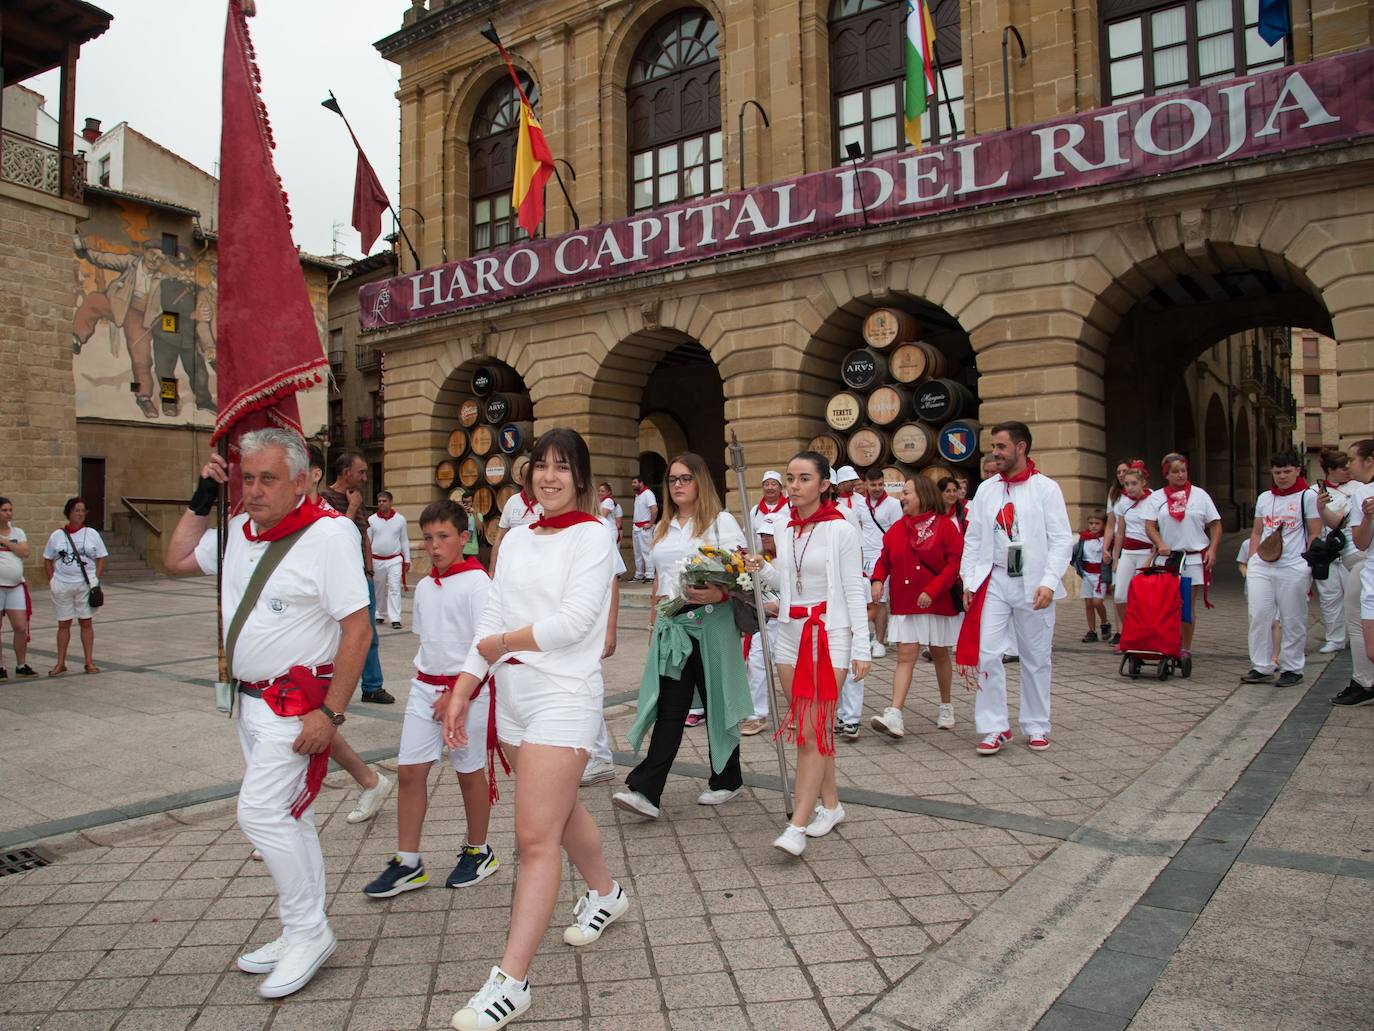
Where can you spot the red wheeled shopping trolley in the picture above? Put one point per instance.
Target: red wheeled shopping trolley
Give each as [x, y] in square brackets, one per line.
[1151, 630]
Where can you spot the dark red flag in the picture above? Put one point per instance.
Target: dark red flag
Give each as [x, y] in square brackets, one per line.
[269, 346]
[369, 199]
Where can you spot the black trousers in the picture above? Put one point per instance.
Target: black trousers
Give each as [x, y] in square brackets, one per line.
[674, 700]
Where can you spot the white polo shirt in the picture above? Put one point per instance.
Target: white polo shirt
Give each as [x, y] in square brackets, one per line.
[645, 502]
[445, 619]
[388, 536]
[519, 512]
[296, 619]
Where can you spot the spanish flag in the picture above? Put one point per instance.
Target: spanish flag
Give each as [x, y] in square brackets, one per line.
[533, 166]
[920, 67]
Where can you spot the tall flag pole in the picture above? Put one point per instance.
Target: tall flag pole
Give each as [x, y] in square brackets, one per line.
[533, 158]
[920, 66]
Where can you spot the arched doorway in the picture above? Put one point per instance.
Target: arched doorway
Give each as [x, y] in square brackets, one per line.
[1216, 432]
[1245, 471]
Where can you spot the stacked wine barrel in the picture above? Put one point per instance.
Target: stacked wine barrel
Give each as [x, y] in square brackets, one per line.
[488, 452]
[903, 408]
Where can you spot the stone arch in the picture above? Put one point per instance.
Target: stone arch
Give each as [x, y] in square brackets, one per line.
[456, 388]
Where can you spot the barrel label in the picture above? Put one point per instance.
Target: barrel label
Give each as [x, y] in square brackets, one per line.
[844, 411]
[481, 381]
[497, 409]
[885, 406]
[860, 368]
[958, 443]
[468, 412]
[933, 401]
[510, 439]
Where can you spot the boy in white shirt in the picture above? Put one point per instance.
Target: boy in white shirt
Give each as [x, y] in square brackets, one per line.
[448, 603]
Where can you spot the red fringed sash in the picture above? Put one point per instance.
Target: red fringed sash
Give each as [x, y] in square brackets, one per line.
[445, 684]
[297, 693]
[815, 695]
[968, 651]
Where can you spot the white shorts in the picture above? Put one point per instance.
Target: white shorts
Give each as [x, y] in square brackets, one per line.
[12, 598]
[921, 628]
[869, 565]
[789, 643]
[422, 736]
[70, 600]
[1090, 587]
[530, 710]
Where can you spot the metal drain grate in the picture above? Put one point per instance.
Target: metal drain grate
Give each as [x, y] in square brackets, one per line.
[20, 860]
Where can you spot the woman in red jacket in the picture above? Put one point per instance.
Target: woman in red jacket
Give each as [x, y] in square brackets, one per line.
[921, 557]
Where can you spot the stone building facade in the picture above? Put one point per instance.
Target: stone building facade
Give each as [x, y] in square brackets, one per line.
[1082, 310]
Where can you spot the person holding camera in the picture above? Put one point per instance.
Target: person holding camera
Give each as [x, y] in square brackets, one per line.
[1360, 531]
[1333, 497]
[1182, 517]
[1286, 522]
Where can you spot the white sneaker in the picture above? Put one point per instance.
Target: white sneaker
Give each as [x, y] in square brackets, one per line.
[877, 650]
[593, 913]
[634, 802]
[261, 961]
[370, 801]
[946, 718]
[1331, 646]
[792, 840]
[496, 1003]
[297, 965]
[718, 797]
[889, 723]
[825, 821]
[597, 772]
[256, 856]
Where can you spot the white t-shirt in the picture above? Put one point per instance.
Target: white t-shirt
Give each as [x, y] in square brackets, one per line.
[1189, 533]
[296, 619]
[11, 565]
[518, 511]
[763, 520]
[559, 585]
[89, 547]
[1342, 497]
[849, 508]
[876, 520]
[644, 503]
[1357, 496]
[1133, 515]
[610, 513]
[388, 536]
[680, 540]
[1288, 515]
[445, 619]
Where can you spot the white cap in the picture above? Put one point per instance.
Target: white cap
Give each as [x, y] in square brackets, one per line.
[772, 474]
[845, 473]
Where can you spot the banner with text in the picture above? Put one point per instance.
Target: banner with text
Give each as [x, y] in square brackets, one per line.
[1295, 107]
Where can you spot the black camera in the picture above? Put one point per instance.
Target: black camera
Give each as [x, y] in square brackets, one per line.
[1322, 552]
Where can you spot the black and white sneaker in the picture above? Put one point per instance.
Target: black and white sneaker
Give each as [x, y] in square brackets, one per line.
[593, 913]
[397, 878]
[475, 864]
[1254, 676]
[849, 731]
[1288, 678]
[25, 671]
[1355, 695]
[496, 1003]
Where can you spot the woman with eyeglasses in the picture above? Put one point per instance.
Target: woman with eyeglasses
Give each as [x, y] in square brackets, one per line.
[696, 650]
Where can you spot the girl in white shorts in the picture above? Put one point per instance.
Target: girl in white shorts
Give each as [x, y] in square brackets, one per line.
[1131, 547]
[818, 575]
[542, 633]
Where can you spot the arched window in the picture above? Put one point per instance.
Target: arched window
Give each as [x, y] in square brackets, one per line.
[673, 102]
[868, 76]
[1151, 47]
[491, 163]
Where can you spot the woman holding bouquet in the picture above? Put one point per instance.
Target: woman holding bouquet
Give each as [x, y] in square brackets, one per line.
[696, 649]
[822, 637]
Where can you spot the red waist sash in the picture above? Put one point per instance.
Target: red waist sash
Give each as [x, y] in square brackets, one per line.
[640, 526]
[815, 695]
[299, 691]
[405, 567]
[1092, 567]
[1132, 544]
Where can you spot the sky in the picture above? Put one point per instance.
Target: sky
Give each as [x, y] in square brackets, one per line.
[158, 68]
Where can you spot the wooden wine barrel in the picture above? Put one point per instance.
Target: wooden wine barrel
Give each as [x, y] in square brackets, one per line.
[867, 447]
[519, 469]
[958, 441]
[937, 472]
[497, 470]
[889, 405]
[913, 444]
[483, 500]
[862, 370]
[491, 528]
[884, 327]
[515, 437]
[912, 363]
[843, 411]
[470, 412]
[470, 471]
[482, 439]
[494, 379]
[457, 443]
[444, 473]
[505, 494]
[828, 446]
[941, 400]
[503, 408]
[896, 475]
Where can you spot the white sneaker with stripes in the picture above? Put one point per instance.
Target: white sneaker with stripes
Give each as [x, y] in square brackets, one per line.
[593, 913]
[496, 1003]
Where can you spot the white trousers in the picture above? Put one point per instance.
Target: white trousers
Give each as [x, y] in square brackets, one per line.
[851, 707]
[1126, 568]
[644, 551]
[388, 572]
[1331, 595]
[1278, 592]
[758, 675]
[1354, 629]
[601, 750]
[290, 848]
[1008, 617]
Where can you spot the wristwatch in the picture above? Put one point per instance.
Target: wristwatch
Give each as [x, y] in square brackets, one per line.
[336, 718]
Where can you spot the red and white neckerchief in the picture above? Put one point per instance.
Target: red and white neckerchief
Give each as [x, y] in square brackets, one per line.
[469, 564]
[762, 507]
[529, 502]
[640, 491]
[386, 515]
[1177, 498]
[1136, 501]
[920, 528]
[298, 518]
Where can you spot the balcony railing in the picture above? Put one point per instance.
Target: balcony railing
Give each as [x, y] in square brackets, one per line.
[337, 364]
[365, 357]
[371, 431]
[1251, 370]
[28, 162]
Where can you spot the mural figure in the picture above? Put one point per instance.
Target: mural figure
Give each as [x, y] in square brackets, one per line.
[181, 343]
[133, 302]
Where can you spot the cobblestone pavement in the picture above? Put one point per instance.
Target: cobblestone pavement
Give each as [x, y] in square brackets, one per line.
[961, 891]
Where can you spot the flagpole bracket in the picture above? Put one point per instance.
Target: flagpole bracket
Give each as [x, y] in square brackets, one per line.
[766, 124]
[1006, 67]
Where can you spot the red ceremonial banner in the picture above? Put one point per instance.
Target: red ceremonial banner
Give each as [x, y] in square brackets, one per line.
[1291, 108]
